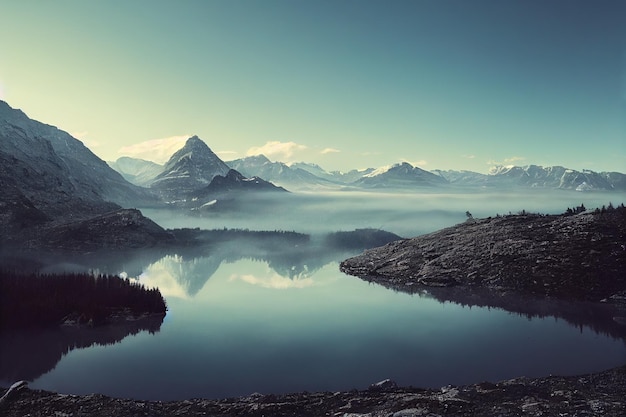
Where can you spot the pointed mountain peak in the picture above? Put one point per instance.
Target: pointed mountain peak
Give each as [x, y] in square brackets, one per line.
[194, 140]
[191, 167]
[194, 143]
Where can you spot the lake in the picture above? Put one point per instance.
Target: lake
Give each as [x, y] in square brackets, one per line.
[247, 318]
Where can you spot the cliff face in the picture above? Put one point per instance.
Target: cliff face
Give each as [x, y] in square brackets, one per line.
[581, 256]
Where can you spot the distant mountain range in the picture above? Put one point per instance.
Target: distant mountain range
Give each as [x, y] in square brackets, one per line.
[401, 176]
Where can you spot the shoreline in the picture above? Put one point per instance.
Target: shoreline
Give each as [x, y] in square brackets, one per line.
[598, 394]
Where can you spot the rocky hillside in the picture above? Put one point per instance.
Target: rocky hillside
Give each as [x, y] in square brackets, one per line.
[124, 228]
[51, 183]
[55, 170]
[580, 256]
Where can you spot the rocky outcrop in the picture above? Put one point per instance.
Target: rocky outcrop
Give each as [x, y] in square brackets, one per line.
[581, 256]
[125, 228]
[601, 394]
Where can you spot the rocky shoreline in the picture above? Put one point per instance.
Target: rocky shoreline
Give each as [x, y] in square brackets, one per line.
[598, 394]
[574, 257]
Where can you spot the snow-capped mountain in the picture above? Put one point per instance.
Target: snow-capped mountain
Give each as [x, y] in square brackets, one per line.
[400, 175]
[190, 168]
[551, 177]
[136, 171]
[463, 178]
[235, 181]
[333, 176]
[277, 172]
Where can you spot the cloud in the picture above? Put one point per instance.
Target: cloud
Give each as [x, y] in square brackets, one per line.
[329, 150]
[275, 281]
[469, 156]
[156, 150]
[514, 159]
[507, 161]
[281, 150]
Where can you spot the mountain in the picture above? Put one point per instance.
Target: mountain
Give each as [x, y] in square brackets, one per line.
[234, 181]
[48, 178]
[278, 173]
[535, 176]
[334, 176]
[136, 171]
[466, 178]
[550, 177]
[34, 174]
[190, 168]
[400, 176]
[533, 254]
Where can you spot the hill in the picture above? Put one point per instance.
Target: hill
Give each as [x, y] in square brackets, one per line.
[578, 256]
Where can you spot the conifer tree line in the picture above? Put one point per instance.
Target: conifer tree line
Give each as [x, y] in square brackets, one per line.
[40, 300]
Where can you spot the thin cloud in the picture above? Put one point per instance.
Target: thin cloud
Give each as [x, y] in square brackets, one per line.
[507, 161]
[284, 150]
[275, 281]
[156, 150]
[329, 150]
[469, 156]
[514, 159]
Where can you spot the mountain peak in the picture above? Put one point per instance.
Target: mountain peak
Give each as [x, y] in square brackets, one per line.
[191, 167]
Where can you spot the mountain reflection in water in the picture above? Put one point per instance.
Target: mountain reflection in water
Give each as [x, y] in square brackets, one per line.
[276, 315]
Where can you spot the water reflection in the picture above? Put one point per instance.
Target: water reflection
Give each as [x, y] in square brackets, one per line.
[29, 354]
[602, 318]
[253, 313]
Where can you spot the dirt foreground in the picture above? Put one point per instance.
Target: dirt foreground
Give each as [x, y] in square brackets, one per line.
[599, 394]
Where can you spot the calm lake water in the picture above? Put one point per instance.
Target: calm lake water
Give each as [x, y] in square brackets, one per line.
[281, 322]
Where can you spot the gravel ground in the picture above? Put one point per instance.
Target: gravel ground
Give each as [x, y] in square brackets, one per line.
[599, 394]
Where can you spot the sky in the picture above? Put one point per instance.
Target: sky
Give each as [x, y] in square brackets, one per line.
[346, 84]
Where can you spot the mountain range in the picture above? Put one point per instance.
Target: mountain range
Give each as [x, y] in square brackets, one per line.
[49, 178]
[404, 176]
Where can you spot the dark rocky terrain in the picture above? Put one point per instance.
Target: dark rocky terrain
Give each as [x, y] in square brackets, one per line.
[50, 179]
[580, 256]
[600, 394]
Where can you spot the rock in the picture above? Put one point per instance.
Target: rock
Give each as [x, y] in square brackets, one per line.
[384, 385]
[579, 257]
[12, 391]
[599, 394]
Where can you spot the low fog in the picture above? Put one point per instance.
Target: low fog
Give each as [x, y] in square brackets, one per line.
[404, 213]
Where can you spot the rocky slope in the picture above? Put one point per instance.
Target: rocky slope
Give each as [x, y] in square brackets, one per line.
[52, 183]
[601, 394]
[54, 169]
[580, 256]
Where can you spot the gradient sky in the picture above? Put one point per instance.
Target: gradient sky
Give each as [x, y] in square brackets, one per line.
[346, 84]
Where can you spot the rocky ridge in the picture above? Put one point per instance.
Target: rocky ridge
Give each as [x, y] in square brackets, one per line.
[579, 256]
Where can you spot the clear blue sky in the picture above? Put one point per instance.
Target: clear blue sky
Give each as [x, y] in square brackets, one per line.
[346, 84]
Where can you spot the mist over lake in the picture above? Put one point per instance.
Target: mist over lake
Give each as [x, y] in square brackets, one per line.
[406, 213]
[273, 313]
